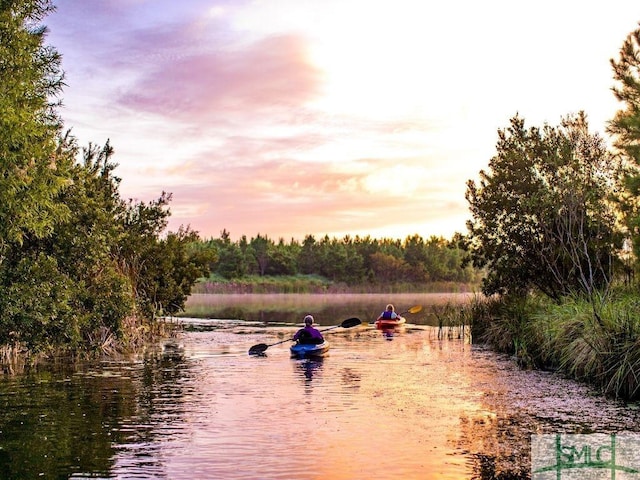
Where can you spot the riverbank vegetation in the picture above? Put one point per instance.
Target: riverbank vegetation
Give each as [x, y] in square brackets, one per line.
[555, 226]
[81, 269]
[600, 347]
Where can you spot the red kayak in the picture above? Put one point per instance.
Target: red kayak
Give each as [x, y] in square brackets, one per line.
[384, 323]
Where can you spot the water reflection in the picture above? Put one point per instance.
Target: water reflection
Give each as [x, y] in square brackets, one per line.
[60, 423]
[309, 367]
[389, 332]
[200, 407]
[350, 379]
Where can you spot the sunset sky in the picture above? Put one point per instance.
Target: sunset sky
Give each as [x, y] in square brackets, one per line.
[296, 117]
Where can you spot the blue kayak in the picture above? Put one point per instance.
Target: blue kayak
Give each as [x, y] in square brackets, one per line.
[303, 350]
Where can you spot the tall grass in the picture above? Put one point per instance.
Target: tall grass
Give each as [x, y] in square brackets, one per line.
[454, 320]
[599, 344]
[505, 324]
[594, 340]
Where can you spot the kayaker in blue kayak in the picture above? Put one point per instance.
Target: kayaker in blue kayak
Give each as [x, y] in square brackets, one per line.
[308, 335]
[388, 314]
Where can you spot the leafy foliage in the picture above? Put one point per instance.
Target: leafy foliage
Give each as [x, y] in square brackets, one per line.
[542, 214]
[77, 262]
[169, 268]
[30, 76]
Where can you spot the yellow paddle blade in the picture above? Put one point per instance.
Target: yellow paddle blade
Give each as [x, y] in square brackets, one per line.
[415, 309]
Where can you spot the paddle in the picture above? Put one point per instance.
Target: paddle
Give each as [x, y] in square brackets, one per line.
[261, 347]
[415, 309]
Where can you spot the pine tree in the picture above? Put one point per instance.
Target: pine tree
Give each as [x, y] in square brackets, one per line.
[30, 79]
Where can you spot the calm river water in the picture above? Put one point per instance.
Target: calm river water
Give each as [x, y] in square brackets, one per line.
[382, 405]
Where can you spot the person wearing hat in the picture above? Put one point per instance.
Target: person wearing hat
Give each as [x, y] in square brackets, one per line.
[308, 335]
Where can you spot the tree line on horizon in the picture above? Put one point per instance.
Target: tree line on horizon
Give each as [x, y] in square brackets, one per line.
[348, 260]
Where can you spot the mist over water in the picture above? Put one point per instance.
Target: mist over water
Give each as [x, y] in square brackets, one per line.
[326, 309]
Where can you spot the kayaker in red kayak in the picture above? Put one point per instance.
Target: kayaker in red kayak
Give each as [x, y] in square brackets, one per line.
[388, 314]
[308, 335]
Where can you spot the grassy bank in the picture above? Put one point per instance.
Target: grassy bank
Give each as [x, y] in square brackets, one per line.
[595, 341]
[317, 284]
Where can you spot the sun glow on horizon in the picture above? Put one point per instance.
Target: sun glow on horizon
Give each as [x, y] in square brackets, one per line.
[376, 68]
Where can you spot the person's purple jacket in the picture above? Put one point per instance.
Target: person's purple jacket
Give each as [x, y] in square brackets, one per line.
[308, 334]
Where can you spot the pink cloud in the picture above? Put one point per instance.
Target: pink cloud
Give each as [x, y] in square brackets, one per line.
[271, 74]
